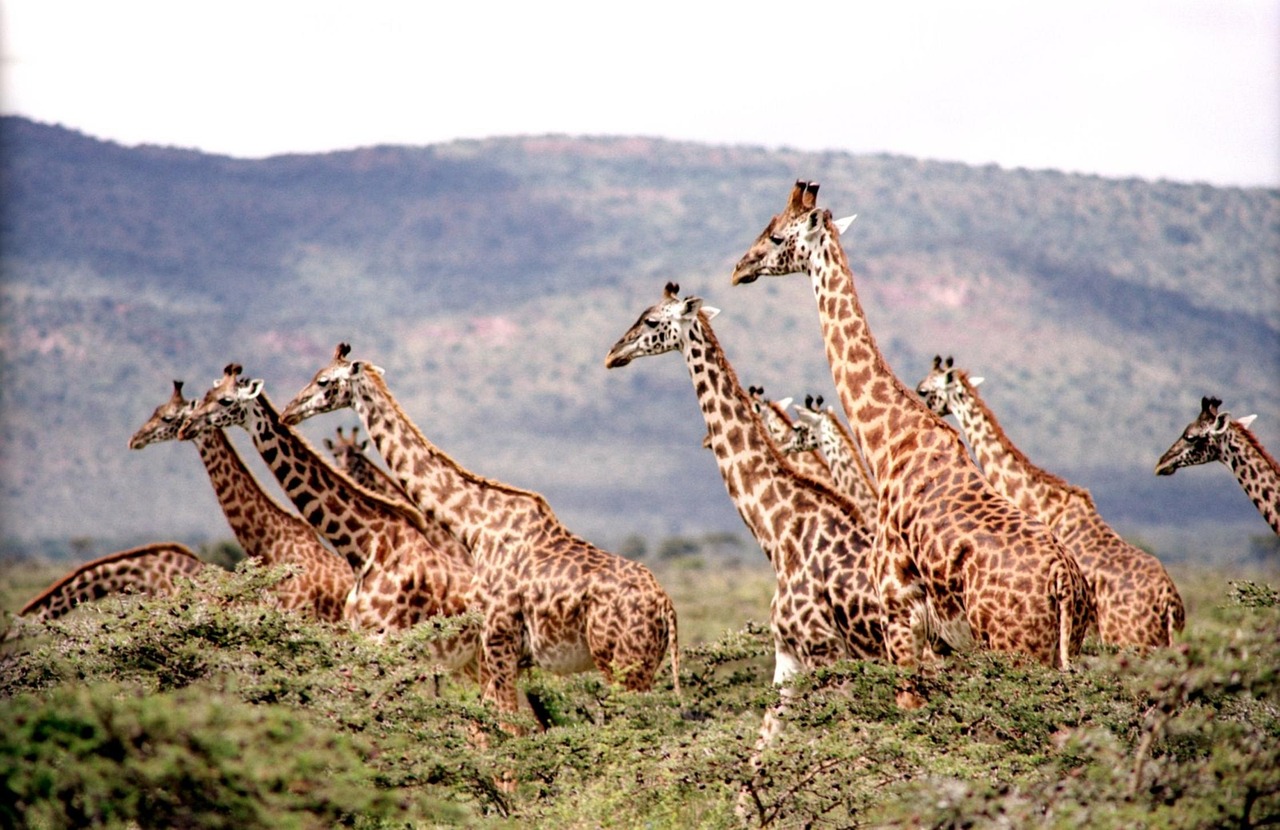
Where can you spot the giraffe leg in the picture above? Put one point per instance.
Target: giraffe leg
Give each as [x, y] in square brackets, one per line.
[785, 667]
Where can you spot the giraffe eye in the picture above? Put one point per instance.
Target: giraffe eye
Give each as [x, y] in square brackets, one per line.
[651, 322]
[322, 382]
[776, 240]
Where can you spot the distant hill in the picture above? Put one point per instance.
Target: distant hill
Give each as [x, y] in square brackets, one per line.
[490, 277]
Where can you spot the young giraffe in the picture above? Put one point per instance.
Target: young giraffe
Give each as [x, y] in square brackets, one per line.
[349, 457]
[405, 578]
[943, 532]
[151, 569]
[778, 428]
[1137, 602]
[321, 581]
[819, 429]
[546, 597]
[824, 607]
[1214, 436]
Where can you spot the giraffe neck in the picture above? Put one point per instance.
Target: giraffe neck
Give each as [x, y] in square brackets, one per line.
[889, 420]
[355, 522]
[469, 505]
[846, 465]
[758, 480]
[1255, 469]
[255, 518]
[1005, 466]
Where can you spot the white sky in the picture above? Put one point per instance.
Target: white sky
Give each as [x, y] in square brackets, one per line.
[1181, 89]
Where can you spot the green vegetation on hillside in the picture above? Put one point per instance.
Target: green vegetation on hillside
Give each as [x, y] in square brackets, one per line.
[207, 710]
[489, 277]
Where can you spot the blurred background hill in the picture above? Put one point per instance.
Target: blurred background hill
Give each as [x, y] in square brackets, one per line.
[489, 278]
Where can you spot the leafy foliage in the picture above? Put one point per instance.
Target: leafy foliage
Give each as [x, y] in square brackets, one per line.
[210, 710]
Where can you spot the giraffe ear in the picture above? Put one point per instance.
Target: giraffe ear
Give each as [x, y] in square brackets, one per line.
[843, 223]
[1246, 420]
[976, 381]
[251, 389]
[785, 402]
[710, 311]
[1221, 423]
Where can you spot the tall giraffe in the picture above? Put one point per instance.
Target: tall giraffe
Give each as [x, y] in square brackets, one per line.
[824, 605]
[404, 578]
[819, 429]
[321, 581]
[151, 569]
[1137, 602]
[943, 532]
[547, 597]
[1214, 436]
[349, 457]
[778, 428]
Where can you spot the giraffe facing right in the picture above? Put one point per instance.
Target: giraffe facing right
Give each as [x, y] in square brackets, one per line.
[151, 569]
[1215, 436]
[1137, 602]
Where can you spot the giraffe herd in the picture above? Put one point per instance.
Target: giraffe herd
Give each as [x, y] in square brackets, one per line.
[895, 538]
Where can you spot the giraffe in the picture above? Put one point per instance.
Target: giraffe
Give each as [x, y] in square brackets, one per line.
[817, 429]
[151, 569]
[320, 581]
[404, 578]
[1214, 436]
[349, 457]
[943, 532]
[778, 428]
[1137, 602]
[824, 605]
[546, 597]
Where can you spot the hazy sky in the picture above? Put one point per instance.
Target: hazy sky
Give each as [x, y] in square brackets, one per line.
[1180, 89]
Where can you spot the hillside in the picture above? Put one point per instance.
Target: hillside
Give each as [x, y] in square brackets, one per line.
[490, 277]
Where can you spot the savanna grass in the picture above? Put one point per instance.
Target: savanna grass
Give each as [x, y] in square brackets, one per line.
[212, 709]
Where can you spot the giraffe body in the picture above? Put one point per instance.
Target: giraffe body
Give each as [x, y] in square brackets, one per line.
[319, 582]
[403, 578]
[1216, 436]
[1137, 602]
[821, 430]
[546, 597]
[943, 533]
[825, 605]
[152, 569]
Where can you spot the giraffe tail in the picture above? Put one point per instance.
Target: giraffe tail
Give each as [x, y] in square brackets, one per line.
[673, 643]
[1175, 612]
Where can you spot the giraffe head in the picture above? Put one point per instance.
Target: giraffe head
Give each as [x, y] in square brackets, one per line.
[790, 238]
[806, 431]
[943, 388]
[224, 405]
[661, 328]
[1202, 441]
[345, 449]
[165, 421]
[330, 389]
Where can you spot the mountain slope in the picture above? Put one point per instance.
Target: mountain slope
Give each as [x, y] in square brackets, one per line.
[490, 277]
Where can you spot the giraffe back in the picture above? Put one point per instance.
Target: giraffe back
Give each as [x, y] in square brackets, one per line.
[150, 569]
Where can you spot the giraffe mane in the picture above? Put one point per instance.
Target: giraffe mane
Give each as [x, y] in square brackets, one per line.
[774, 453]
[1014, 449]
[131, 553]
[458, 468]
[1253, 441]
